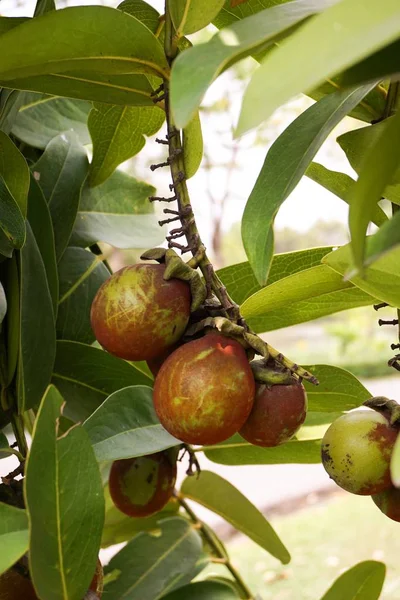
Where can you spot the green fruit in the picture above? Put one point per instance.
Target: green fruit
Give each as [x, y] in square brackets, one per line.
[142, 486]
[137, 315]
[278, 412]
[356, 452]
[389, 503]
[204, 391]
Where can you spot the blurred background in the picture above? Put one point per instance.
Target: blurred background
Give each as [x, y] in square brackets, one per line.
[325, 529]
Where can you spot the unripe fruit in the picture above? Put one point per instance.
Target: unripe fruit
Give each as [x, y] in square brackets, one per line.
[143, 485]
[277, 413]
[204, 391]
[14, 586]
[389, 503]
[356, 452]
[137, 315]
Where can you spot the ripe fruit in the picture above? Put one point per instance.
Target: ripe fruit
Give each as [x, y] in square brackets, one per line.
[14, 586]
[277, 413]
[136, 314]
[356, 452]
[204, 391]
[143, 485]
[389, 503]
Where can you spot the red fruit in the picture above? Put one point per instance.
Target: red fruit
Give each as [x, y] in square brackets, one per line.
[389, 503]
[137, 315]
[142, 486]
[356, 452]
[204, 391]
[277, 413]
[14, 586]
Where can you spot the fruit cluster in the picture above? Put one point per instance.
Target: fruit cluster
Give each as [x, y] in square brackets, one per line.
[356, 453]
[204, 391]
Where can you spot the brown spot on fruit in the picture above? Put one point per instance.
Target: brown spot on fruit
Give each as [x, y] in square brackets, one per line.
[204, 391]
[277, 413]
[143, 485]
[137, 315]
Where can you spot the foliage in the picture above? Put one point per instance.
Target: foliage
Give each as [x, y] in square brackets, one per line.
[92, 74]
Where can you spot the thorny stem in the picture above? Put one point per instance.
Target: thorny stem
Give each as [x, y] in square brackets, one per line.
[221, 558]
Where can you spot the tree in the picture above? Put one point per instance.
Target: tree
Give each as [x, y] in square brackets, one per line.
[113, 76]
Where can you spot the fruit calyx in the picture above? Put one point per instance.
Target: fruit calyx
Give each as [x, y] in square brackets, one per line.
[390, 409]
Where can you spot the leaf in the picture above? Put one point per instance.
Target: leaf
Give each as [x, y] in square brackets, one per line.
[10, 101]
[12, 285]
[192, 146]
[3, 303]
[14, 535]
[211, 490]
[81, 274]
[145, 13]
[37, 344]
[151, 565]
[341, 39]
[240, 279]
[341, 185]
[41, 118]
[189, 16]
[66, 511]
[15, 172]
[44, 6]
[203, 590]
[60, 172]
[89, 38]
[284, 165]
[40, 221]
[364, 581]
[126, 425]
[117, 134]
[236, 451]
[381, 163]
[116, 212]
[356, 145]
[12, 223]
[381, 279]
[338, 390]
[122, 89]
[86, 376]
[195, 70]
[387, 238]
[7, 23]
[381, 64]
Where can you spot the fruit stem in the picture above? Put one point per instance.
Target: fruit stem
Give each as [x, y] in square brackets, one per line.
[19, 433]
[220, 556]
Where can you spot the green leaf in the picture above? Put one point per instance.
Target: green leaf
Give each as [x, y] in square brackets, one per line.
[40, 220]
[195, 70]
[151, 565]
[381, 279]
[41, 118]
[15, 172]
[341, 185]
[14, 535]
[285, 164]
[37, 342]
[86, 376]
[145, 13]
[364, 581]
[387, 238]
[356, 145]
[10, 101]
[192, 145]
[3, 303]
[123, 89]
[189, 16]
[89, 38]
[12, 222]
[236, 451]
[116, 212]
[381, 163]
[81, 273]
[117, 134]
[395, 464]
[204, 590]
[341, 38]
[379, 65]
[8, 23]
[60, 172]
[44, 6]
[212, 491]
[12, 285]
[126, 425]
[338, 390]
[242, 283]
[66, 511]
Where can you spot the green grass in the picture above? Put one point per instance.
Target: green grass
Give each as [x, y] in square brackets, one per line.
[324, 540]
